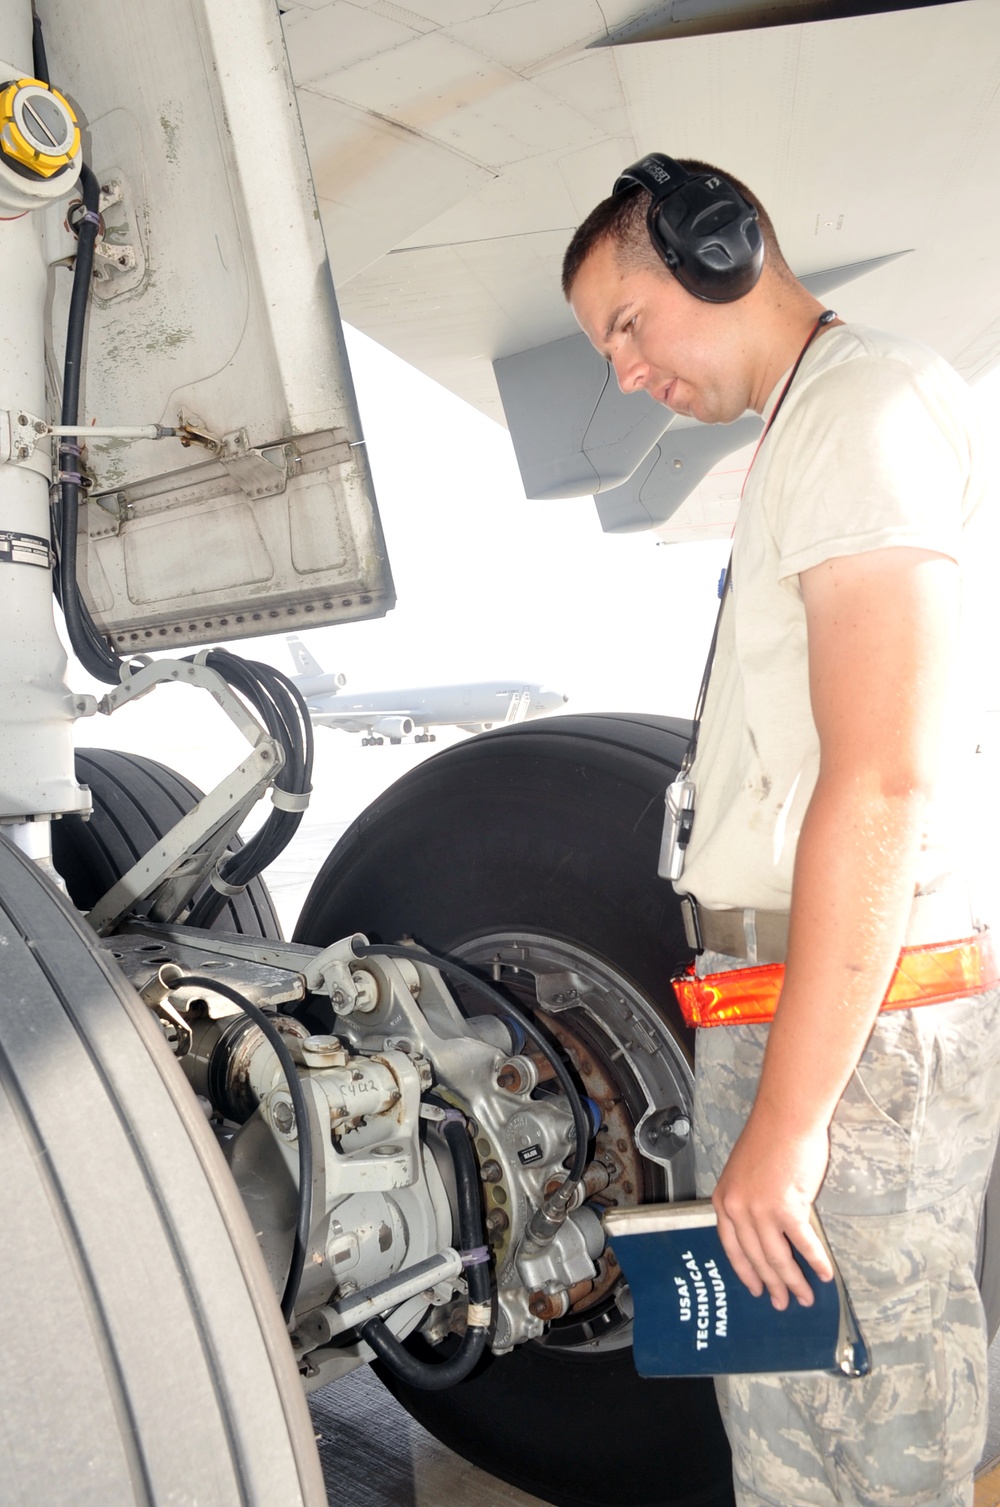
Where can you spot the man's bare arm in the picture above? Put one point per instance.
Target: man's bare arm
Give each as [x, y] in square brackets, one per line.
[882, 629]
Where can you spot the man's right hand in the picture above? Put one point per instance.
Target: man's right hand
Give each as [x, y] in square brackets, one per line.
[763, 1202]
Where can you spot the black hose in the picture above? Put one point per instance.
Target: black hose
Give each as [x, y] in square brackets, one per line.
[286, 717]
[39, 62]
[435, 1376]
[298, 1098]
[96, 656]
[450, 968]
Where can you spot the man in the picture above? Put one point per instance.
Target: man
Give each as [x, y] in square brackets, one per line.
[826, 781]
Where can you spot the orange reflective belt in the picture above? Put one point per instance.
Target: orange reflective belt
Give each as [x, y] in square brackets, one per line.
[924, 976]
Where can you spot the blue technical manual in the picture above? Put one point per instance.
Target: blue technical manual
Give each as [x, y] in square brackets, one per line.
[694, 1317]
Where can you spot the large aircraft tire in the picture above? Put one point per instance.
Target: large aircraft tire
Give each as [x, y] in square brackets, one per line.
[550, 829]
[144, 1356]
[136, 802]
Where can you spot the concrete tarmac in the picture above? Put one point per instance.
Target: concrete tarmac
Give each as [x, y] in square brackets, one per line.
[375, 1455]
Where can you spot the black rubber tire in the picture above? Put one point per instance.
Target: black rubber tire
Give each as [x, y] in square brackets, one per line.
[136, 801]
[144, 1357]
[551, 827]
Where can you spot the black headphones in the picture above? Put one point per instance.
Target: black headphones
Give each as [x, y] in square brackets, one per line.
[701, 226]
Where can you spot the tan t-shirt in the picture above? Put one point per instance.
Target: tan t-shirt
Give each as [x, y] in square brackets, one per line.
[875, 446]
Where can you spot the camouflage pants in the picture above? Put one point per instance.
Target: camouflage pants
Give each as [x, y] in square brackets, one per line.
[911, 1146]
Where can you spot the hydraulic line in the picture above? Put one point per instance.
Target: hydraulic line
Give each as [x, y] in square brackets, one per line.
[39, 62]
[286, 717]
[96, 656]
[435, 1376]
[298, 1098]
[557, 1204]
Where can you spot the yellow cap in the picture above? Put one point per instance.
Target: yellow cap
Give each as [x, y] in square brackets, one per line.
[38, 129]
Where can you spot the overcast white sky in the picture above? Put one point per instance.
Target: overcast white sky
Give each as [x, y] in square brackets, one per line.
[488, 586]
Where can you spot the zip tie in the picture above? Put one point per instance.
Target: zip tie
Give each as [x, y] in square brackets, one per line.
[454, 1115]
[87, 218]
[74, 478]
[290, 800]
[479, 1315]
[218, 883]
[478, 1256]
[67, 448]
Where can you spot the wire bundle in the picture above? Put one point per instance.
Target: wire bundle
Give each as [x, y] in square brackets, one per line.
[284, 713]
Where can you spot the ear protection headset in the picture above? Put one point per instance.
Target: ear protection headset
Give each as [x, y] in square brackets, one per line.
[703, 229]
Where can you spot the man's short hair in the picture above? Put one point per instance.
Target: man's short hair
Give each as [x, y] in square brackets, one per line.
[621, 220]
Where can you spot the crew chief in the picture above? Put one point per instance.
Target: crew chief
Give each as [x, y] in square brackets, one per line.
[831, 762]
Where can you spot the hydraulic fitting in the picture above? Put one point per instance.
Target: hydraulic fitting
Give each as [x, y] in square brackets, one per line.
[39, 144]
[39, 135]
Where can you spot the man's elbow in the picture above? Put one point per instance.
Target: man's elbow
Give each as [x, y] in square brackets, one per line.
[901, 784]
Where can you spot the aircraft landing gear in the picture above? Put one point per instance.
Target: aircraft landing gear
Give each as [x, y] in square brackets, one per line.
[575, 899]
[425, 738]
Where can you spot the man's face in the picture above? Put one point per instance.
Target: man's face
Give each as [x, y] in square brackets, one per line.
[687, 354]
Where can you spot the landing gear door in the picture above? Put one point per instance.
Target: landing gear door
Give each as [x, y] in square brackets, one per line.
[213, 313]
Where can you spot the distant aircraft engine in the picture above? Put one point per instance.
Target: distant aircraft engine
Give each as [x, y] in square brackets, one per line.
[320, 685]
[393, 727]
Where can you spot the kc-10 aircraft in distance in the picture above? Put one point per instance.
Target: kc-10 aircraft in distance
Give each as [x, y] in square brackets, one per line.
[395, 715]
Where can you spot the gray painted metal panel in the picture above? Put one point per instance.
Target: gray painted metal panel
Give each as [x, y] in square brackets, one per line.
[227, 323]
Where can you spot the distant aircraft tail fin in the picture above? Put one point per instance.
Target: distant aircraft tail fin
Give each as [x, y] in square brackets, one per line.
[304, 662]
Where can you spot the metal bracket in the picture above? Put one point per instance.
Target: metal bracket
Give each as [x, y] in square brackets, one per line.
[560, 991]
[258, 473]
[226, 946]
[182, 860]
[142, 952]
[20, 432]
[157, 996]
[119, 259]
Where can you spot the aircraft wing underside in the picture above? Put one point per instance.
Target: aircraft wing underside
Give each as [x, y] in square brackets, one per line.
[455, 144]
